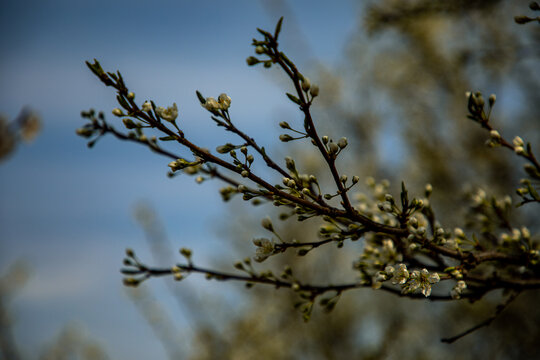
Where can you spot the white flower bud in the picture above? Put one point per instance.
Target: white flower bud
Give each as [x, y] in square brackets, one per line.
[332, 148]
[342, 143]
[459, 233]
[495, 135]
[147, 106]
[314, 91]
[518, 141]
[519, 150]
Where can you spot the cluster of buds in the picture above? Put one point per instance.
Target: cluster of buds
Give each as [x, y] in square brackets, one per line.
[458, 289]
[476, 104]
[307, 86]
[214, 106]
[518, 145]
[180, 164]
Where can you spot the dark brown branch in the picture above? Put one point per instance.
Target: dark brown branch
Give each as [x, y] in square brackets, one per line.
[486, 322]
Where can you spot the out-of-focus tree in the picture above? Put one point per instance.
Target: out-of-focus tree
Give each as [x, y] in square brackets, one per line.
[25, 128]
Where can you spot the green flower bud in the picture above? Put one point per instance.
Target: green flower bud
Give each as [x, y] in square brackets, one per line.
[306, 84]
[267, 224]
[285, 137]
[252, 60]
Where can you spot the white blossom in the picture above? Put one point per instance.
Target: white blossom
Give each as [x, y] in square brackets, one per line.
[265, 248]
[401, 274]
[169, 114]
[147, 106]
[224, 101]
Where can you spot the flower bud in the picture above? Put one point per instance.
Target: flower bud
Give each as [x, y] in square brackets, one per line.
[259, 50]
[492, 98]
[495, 135]
[117, 112]
[289, 162]
[342, 143]
[314, 90]
[131, 95]
[267, 224]
[147, 106]
[306, 84]
[332, 148]
[518, 141]
[252, 60]
[285, 137]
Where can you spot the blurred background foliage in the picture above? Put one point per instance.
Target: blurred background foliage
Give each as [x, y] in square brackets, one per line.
[398, 94]
[399, 97]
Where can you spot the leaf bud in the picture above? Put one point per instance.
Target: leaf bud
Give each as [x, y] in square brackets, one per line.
[128, 123]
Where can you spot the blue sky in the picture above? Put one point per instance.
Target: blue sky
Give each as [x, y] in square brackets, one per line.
[67, 210]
